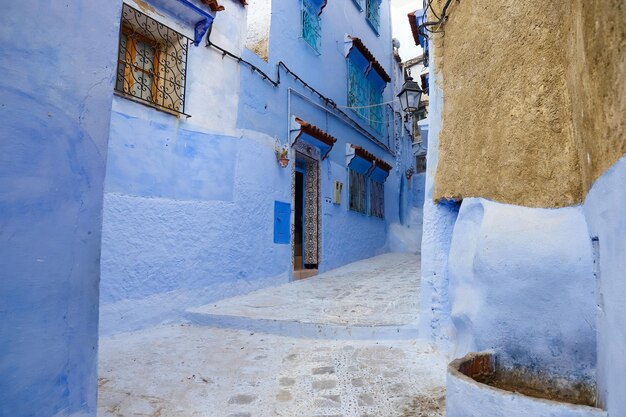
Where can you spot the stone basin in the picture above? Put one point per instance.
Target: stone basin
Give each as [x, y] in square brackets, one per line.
[477, 386]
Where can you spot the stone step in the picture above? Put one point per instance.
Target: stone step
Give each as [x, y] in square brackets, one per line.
[300, 329]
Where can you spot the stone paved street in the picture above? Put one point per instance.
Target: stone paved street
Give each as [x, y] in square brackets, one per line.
[193, 369]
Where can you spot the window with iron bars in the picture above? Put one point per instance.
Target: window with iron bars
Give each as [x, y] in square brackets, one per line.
[420, 163]
[311, 25]
[357, 195]
[372, 13]
[152, 62]
[364, 97]
[377, 199]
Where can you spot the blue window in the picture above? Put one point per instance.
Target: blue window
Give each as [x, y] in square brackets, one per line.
[357, 195]
[377, 199]
[365, 91]
[358, 90]
[376, 114]
[372, 13]
[312, 23]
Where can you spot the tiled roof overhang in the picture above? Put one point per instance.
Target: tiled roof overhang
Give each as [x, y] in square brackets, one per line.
[359, 151]
[368, 156]
[315, 132]
[413, 24]
[358, 44]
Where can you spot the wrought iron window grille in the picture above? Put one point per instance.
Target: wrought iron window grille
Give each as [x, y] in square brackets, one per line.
[152, 62]
[357, 194]
[372, 14]
[311, 25]
[420, 163]
[365, 98]
[377, 199]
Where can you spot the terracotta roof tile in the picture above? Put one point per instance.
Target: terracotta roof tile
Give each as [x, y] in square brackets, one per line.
[358, 44]
[214, 5]
[413, 23]
[316, 132]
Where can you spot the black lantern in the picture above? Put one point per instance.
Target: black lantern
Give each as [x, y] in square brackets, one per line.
[410, 96]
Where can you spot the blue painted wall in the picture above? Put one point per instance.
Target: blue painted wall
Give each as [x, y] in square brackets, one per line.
[604, 210]
[56, 61]
[189, 203]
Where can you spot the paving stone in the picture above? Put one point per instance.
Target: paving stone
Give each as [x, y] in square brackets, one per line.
[327, 401]
[283, 396]
[242, 399]
[358, 382]
[323, 370]
[324, 384]
[365, 400]
[150, 371]
[286, 382]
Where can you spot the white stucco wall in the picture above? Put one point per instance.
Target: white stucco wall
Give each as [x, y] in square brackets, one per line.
[604, 210]
[438, 222]
[521, 283]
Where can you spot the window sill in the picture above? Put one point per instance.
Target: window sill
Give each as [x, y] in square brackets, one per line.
[151, 105]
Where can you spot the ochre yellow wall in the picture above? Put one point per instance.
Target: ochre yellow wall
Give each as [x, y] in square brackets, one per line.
[533, 99]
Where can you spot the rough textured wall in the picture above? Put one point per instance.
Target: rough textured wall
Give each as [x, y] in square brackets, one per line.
[533, 108]
[57, 62]
[596, 46]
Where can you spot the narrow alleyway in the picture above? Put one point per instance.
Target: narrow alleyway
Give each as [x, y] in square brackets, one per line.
[339, 344]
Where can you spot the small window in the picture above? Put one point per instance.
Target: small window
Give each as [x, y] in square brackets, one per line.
[311, 24]
[372, 13]
[420, 163]
[357, 200]
[152, 62]
[377, 199]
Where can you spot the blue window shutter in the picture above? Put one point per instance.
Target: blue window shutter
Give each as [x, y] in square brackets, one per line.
[282, 223]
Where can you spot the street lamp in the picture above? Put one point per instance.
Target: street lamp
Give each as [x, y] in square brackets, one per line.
[410, 95]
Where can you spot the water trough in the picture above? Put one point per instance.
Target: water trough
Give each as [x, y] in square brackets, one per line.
[478, 386]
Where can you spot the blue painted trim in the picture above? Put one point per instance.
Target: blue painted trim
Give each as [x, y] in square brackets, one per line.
[200, 29]
[282, 223]
[203, 25]
[358, 4]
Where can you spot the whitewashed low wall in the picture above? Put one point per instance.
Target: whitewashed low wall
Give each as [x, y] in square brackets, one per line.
[466, 397]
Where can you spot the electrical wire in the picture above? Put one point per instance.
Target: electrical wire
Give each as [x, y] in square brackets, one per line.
[275, 83]
[425, 25]
[371, 105]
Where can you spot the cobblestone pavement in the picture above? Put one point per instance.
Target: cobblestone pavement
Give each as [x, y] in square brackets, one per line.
[192, 370]
[379, 291]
